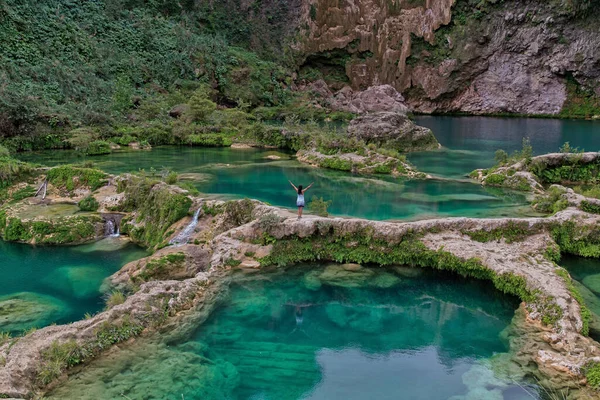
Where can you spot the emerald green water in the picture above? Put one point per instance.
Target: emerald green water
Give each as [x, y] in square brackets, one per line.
[44, 285]
[470, 142]
[326, 333]
[238, 173]
[586, 272]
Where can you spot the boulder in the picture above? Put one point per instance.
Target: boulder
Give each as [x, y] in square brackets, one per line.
[178, 110]
[394, 130]
[373, 99]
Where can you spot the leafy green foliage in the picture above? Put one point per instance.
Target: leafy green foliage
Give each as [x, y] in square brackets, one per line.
[581, 102]
[157, 208]
[552, 201]
[115, 298]
[88, 204]
[511, 232]
[574, 239]
[98, 147]
[592, 374]
[160, 268]
[66, 230]
[319, 206]
[12, 171]
[590, 207]
[70, 177]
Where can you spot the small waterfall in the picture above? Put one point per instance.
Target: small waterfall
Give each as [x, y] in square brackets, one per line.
[112, 224]
[109, 228]
[184, 236]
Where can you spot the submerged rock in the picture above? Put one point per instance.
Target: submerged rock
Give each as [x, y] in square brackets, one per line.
[592, 282]
[391, 129]
[25, 310]
[78, 281]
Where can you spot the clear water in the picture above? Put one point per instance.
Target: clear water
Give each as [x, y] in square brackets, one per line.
[44, 285]
[326, 334]
[586, 272]
[470, 142]
[238, 173]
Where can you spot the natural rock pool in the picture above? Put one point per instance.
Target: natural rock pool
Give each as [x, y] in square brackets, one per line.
[42, 285]
[334, 332]
[469, 143]
[586, 272]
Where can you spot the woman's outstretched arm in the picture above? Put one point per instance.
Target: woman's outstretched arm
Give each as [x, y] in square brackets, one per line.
[308, 187]
[295, 188]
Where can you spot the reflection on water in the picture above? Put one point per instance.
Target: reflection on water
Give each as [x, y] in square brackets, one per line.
[340, 332]
[42, 285]
[470, 142]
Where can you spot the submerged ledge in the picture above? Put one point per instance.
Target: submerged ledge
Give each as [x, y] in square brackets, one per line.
[517, 255]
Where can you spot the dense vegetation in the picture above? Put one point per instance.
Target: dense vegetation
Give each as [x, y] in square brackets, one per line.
[109, 64]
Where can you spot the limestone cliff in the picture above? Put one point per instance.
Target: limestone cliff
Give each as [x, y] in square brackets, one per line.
[514, 56]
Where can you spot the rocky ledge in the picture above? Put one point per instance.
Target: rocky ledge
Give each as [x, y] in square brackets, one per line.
[531, 173]
[518, 255]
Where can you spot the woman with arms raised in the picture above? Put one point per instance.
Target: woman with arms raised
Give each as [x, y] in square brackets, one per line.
[300, 200]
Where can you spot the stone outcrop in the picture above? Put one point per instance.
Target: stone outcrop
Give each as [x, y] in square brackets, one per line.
[372, 99]
[449, 55]
[369, 163]
[392, 130]
[531, 174]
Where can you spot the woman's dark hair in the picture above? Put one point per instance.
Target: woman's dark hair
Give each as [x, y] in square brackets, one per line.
[300, 189]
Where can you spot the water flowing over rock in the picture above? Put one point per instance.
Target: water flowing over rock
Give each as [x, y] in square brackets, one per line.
[112, 224]
[183, 237]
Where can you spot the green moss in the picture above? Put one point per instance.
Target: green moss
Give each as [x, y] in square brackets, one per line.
[512, 232]
[159, 268]
[592, 374]
[585, 313]
[552, 201]
[88, 204]
[495, 179]
[574, 239]
[23, 193]
[98, 147]
[66, 230]
[69, 177]
[157, 207]
[590, 207]
[581, 102]
[335, 162]
[12, 171]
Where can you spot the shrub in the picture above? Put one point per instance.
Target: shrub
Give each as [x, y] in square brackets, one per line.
[592, 373]
[319, 206]
[98, 147]
[200, 106]
[88, 204]
[115, 298]
[495, 179]
[4, 152]
[171, 178]
[552, 201]
[501, 157]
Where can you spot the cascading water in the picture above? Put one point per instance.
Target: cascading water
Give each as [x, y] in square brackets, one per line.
[109, 228]
[184, 236]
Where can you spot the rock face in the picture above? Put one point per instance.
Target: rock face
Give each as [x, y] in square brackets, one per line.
[393, 130]
[448, 55]
[373, 99]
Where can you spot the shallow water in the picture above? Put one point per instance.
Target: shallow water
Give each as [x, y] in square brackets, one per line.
[586, 272]
[325, 334]
[44, 285]
[470, 142]
[238, 173]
